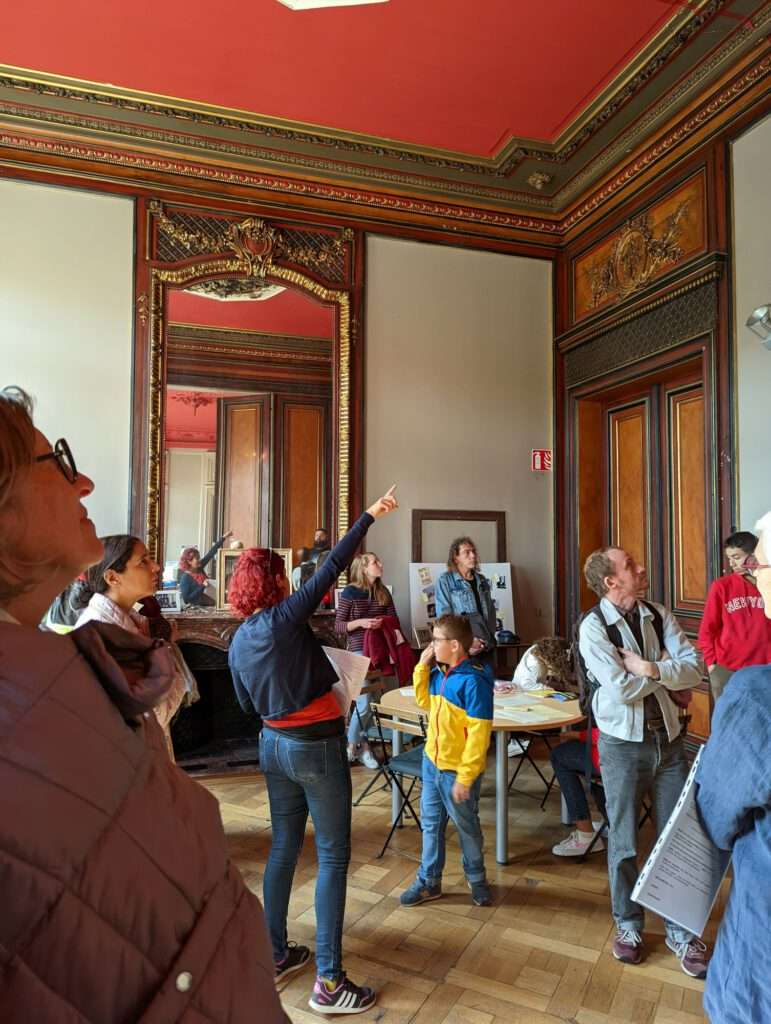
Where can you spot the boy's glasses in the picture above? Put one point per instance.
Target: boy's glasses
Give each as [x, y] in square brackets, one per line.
[439, 639]
[64, 460]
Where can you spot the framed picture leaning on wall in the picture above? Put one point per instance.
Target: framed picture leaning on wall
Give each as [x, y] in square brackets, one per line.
[226, 563]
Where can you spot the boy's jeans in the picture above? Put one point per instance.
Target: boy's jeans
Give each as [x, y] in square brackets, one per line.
[436, 806]
[629, 771]
[308, 776]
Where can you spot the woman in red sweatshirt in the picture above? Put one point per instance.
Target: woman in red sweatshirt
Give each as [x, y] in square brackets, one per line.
[734, 630]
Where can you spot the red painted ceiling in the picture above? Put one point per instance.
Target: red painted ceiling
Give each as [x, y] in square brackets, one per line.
[446, 73]
[291, 312]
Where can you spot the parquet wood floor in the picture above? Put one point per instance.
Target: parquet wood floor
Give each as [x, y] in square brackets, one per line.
[540, 955]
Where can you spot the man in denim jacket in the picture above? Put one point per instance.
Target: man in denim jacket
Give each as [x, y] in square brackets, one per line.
[463, 590]
[641, 749]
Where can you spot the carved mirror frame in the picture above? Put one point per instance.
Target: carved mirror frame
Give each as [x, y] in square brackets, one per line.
[216, 244]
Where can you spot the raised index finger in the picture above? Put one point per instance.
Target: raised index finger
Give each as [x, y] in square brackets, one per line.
[390, 492]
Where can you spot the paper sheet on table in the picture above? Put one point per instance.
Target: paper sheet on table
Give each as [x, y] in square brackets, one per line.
[682, 875]
[514, 700]
[351, 672]
[527, 715]
[407, 691]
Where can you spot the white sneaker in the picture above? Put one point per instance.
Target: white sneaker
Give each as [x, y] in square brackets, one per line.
[517, 748]
[369, 760]
[576, 844]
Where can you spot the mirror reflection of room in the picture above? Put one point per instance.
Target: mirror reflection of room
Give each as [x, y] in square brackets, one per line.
[248, 430]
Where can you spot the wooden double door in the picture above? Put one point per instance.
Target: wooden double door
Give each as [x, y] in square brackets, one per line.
[273, 458]
[644, 472]
[644, 483]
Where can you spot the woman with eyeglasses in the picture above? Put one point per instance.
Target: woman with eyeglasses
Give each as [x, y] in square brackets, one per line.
[119, 900]
[108, 592]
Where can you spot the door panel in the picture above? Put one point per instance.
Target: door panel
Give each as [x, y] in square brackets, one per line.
[302, 444]
[243, 467]
[629, 479]
[687, 487]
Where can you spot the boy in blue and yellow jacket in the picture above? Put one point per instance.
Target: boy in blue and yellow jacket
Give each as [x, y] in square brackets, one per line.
[458, 694]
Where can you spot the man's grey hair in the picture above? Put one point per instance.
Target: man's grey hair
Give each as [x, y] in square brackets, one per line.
[596, 567]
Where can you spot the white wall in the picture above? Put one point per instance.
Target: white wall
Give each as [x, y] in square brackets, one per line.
[458, 391]
[752, 288]
[66, 283]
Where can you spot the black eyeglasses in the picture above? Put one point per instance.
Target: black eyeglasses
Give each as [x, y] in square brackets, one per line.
[64, 460]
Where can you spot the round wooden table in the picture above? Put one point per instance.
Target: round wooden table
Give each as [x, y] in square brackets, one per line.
[397, 700]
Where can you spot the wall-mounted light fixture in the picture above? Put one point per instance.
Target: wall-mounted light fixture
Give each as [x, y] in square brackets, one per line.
[759, 322]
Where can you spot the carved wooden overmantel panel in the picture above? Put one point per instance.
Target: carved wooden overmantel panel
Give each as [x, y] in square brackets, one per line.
[655, 241]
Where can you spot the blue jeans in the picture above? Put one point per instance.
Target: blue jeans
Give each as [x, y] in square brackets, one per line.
[360, 719]
[436, 808]
[630, 770]
[569, 763]
[308, 776]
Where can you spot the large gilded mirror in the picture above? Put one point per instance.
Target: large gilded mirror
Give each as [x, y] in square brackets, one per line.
[247, 398]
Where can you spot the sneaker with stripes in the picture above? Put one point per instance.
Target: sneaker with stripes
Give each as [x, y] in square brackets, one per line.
[340, 996]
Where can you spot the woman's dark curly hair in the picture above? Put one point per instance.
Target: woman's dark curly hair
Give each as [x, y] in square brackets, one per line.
[554, 654]
[253, 584]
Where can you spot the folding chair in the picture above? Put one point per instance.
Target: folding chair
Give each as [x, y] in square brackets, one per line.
[375, 687]
[526, 756]
[408, 765]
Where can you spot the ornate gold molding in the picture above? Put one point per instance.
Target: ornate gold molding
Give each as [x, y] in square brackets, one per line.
[164, 277]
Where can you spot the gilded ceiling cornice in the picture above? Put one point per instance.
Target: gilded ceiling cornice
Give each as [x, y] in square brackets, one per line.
[671, 38]
[407, 205]
[722, 104]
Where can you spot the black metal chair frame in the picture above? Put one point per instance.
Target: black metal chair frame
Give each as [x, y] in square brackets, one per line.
[414, 726]
[375, 688]
[525, 756]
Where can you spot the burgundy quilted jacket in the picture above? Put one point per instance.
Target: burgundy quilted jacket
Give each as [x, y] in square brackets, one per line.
[118, 903]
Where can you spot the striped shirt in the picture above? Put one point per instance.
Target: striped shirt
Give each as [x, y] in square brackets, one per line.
[356, 603]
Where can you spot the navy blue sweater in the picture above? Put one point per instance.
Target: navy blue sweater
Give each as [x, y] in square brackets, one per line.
[277, 663]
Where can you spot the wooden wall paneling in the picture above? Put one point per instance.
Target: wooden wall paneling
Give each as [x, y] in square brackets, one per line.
[629, 483]
[699, 710]
[686, 434]
[302, 470]
[244, 447]
[591, 507]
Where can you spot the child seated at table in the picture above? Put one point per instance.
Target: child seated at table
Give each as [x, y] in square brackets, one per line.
[458, 694]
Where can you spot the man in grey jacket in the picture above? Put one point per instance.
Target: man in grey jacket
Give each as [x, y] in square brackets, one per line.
[641, 749]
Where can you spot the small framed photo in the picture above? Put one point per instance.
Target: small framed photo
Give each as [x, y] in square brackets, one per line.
[422, 636]
[286, 554]
[169, 600]
[226, 563]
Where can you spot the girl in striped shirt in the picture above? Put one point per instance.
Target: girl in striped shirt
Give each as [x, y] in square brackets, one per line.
[363, 604]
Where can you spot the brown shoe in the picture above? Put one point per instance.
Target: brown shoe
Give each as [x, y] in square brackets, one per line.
[628, 947]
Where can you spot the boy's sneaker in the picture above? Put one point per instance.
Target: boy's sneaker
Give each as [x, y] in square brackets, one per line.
[628, 947]
[419, 893]
[692, 956]
[480, 894]
[296, 958]
[340, 996]
[576, 845]
[369, 760]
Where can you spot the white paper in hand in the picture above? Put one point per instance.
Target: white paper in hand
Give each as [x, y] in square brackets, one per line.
[351, 672]
[682, 875]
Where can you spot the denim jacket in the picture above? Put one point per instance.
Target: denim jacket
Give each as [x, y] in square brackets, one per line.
[455, 595]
